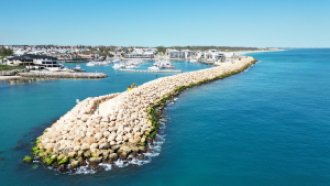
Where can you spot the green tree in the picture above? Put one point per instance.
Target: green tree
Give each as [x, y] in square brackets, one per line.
[4, 52]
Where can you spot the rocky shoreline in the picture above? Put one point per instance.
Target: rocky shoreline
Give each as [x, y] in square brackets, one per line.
[118, 126]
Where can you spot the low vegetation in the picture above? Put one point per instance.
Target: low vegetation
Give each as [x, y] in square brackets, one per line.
[8, 67]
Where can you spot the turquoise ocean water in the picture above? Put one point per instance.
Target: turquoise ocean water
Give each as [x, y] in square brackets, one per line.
[269, 125]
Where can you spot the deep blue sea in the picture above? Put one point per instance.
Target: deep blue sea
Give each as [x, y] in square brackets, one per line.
[269, 125]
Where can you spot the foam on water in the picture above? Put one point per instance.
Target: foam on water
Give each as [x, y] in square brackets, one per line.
[85, 170]
[135, 161]
[120, 163]
[106, 167]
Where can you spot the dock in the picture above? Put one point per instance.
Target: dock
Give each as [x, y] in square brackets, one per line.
[151, 71]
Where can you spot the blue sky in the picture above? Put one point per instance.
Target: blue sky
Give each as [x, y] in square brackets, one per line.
[267, 23]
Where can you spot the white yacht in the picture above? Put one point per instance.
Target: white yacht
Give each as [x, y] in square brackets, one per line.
[117, 65]
[78, 69]
[153, 67]
[193, 60]
[91, 64]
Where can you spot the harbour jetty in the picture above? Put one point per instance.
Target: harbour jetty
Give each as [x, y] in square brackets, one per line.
[103, 129]
[10, 72]
[150, 71]
[63, 75]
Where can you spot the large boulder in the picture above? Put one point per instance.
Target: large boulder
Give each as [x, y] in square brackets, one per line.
[94, 146]
[87, 154]
[135, 148]
[115, 147]
[74, 164]
[123, 155]
[125, 148]
[96, 153]
[91, 140]
[142, 148]
[72, 154]
[84, 147]
[81, 161]
[95, 160]
[49, 147]
[105, 152]
[113, 157]
[104, 146]
[137, 138]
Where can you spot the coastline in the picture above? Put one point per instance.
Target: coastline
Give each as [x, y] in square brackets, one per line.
[123, 123]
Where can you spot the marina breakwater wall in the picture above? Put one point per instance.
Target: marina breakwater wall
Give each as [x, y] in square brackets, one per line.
[10, 72]
[103, 129]
[63, 75]
[150, 71]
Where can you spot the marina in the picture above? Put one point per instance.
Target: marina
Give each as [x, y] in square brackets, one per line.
[133, 63]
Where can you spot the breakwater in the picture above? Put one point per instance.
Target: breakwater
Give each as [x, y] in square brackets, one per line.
[105, 128]
[10, 72]
[63, 75]
[150, 71]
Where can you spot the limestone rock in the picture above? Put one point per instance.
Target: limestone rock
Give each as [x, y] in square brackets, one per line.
[125, 148]
[72, 154]
[113, 157]
[95, 160]
[123, 155]
[94, 146]
[74, 164]
[137, 138]
[115, 147]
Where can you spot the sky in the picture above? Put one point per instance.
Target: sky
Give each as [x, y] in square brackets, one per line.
[253, 23]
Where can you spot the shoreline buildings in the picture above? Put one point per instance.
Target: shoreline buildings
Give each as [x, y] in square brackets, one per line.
[142, 53]
[34, 61]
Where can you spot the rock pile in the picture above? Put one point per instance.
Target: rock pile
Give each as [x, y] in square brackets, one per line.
[125, 124]
[63, 75]
[10, 72]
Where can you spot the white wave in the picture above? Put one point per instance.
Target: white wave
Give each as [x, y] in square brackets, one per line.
[85, 170]
[135, 161]
[156, 148]
[107, 167]
[162, 125]
[153, 154]
[120, 163]
[160, 138]
[175, 99]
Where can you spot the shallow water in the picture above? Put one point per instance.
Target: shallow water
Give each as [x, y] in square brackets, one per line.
[266, 126]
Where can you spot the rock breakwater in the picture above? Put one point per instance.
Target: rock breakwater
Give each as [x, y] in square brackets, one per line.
[10, 72]
[118, 126]
[63, 75]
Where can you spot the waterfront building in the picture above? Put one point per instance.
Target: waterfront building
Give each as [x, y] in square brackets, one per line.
[34, 61]
[142, 53]
[173, 53]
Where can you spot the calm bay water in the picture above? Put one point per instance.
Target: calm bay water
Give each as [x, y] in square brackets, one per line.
[267, 126]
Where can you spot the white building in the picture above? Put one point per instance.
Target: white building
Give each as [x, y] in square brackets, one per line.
[142, 53]
[173, 53]
[32, 61]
